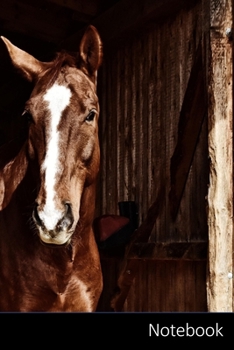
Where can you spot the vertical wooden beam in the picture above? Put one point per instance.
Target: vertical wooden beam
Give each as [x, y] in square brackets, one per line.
[220, 138]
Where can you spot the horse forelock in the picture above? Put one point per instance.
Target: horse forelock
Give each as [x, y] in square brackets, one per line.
[62, 60]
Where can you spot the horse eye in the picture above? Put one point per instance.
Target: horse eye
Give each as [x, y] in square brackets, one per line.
[90, 117]
[28, 116]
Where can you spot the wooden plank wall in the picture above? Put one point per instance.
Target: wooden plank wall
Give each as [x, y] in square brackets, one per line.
[159, 286]
[168, 286]
[141, 88]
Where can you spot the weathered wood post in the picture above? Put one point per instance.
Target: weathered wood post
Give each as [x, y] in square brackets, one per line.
[220, 138]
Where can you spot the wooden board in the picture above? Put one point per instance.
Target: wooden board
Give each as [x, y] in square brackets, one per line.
[159, 286]
[220, 196]
[192, 115]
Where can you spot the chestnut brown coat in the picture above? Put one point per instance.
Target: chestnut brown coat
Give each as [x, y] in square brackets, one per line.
[49, 260]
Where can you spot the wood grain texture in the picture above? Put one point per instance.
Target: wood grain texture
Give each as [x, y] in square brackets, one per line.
[220, 196]
[192, 114]
[142, 85]
[168, 286]
[149, 75]
[160, 286]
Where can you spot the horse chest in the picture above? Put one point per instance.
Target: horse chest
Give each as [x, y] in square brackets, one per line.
[73, 293]
[77, 297]
[36, 278]
[36, 289]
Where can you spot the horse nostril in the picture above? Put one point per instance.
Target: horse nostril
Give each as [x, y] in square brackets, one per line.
[66, 222]
[36, 216]
[67, 206]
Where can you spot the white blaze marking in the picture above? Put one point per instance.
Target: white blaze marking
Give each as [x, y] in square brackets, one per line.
[58, 98]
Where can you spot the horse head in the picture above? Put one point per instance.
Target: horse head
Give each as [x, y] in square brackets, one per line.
[63, 111]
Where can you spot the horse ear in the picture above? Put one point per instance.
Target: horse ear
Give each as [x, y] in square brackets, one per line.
[26, 64]
[90, 53]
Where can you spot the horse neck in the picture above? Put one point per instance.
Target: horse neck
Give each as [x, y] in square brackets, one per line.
[12, 171]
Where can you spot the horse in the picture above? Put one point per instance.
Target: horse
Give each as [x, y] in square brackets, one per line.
[49, 260]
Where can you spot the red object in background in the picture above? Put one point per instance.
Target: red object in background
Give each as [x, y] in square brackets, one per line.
[106, 225]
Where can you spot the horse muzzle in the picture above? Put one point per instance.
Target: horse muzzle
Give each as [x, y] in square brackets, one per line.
[54, 228]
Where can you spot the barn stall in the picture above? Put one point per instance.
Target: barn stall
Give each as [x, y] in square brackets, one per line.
[166, 92]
